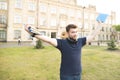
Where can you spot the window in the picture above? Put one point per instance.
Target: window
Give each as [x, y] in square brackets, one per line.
[53, 10]
[31, 20]
[79, 14]
[3, 5]
[111, 29]
[53, 34]
[43, 21]
[71, 20]
[3, 19]
[63, 23]
[80, 35]
[53, 22]
[103, 38]
[2, 34]
[67, 1]
[92, 17]
[103, 29]
[99, 37]
[80, 25]
[17, 34]
[18, 3]
[17, 19]
[86, 26]
[31, 6]
[63, 10]
[43, 33]
[106, 29]
[86, 15]
[43, 8]
[71, 13]
[107, 37]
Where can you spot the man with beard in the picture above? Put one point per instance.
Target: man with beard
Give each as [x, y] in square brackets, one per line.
[70, 49]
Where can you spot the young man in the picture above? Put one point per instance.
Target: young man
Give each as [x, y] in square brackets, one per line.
[70, 49]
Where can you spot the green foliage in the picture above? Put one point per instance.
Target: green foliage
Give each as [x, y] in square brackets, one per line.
[111, 45]
[39, 45]
[117, 27]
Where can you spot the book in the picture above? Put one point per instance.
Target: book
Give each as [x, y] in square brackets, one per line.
[102, 17]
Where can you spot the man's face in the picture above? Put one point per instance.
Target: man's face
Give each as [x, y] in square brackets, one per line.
[73, 32]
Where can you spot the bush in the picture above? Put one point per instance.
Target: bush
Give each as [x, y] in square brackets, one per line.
[111, 45]
[39, 45]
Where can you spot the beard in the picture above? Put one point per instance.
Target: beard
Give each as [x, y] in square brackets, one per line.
[73, 37]
[72, 40]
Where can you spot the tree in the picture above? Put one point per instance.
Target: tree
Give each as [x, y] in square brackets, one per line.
[113, 38]
[116, 27]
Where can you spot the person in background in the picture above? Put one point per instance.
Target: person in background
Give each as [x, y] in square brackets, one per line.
[19, 40]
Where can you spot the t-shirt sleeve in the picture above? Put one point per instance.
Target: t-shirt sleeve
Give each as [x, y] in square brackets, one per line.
[59, 44]
[83, 41]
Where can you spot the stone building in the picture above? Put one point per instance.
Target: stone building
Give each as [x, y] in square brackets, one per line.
[50, 17]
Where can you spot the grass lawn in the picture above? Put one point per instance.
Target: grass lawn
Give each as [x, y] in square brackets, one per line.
[27, 63]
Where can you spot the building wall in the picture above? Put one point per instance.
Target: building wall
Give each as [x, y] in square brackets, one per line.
[3, 20]
[51, 17]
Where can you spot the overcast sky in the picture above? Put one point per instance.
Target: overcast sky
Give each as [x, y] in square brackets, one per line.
[104, 6]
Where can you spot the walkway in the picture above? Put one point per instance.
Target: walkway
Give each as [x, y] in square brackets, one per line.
[14, 44]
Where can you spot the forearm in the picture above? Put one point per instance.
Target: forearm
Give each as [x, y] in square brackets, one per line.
[45, 39]
[34, 33]
[94, 33]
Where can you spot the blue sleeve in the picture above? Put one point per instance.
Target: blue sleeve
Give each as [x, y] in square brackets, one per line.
[59, 44]
[83, 41]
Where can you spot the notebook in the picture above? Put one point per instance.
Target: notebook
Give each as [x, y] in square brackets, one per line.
[102, 17]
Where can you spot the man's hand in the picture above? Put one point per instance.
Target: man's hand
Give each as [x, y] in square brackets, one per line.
[32, 31]
[27, 28]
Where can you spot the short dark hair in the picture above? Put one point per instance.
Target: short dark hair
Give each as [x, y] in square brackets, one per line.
[68, 27]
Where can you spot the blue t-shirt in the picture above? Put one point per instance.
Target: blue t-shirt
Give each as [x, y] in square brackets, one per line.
[70, 56]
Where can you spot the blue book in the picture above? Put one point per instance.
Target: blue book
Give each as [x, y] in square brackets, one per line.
[102, 17]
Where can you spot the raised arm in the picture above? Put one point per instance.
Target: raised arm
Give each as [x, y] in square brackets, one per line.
[49, 40]
[93, 34]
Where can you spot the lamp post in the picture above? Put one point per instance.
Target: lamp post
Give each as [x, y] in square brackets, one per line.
[37, 14]
[82, 29]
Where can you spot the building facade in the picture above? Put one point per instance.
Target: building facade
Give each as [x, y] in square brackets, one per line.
[50, 17]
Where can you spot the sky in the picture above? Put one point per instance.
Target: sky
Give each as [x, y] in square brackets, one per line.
[104, 6]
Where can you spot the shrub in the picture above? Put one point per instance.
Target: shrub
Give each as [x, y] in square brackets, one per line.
[111, 45]
[39, 44]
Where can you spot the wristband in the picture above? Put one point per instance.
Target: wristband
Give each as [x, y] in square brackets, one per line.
[33, 35]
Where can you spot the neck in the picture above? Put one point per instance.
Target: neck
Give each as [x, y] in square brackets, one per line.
[71, 40]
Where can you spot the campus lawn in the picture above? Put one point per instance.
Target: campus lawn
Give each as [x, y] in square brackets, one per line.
[27, 63]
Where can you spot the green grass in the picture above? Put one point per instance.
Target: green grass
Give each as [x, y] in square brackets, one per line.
[100, 64]
[27, 63]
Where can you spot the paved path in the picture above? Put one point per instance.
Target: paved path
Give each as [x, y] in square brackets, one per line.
[15, 44]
